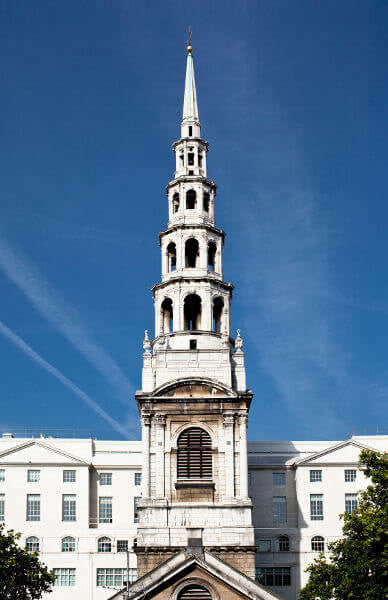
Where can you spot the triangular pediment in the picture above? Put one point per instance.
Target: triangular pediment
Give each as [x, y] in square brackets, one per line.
[37, 452]
[205, 570]
[347, 452]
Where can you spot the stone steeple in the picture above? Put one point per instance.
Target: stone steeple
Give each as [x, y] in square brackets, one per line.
[194, 401]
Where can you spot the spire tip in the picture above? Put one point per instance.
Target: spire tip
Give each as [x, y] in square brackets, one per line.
[189, 47]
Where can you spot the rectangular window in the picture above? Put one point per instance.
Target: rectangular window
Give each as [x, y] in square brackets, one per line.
[33, 476]
[263, 545]
[190, 130]
[316, 507]
[33, 507]
[351, 503]
[64, 577]
[135, 509]
[115, 577]
[270, 576]
[249, 478]
[350, 474]
[68, 507]
[2, 507]
[105, 510]
[2, 475]
[137, 478]
[105, 478]
[122, 545]
[315, 476]
[279, 479]
[69, 476]
[190, 158]
[279, 510]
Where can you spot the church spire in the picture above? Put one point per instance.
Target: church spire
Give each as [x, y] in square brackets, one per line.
[190, 116]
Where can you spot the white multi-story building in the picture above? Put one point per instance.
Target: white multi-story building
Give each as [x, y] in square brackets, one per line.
[193, 511]
[75, 501]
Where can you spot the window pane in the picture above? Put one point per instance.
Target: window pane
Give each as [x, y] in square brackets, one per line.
[105, 510]
[137, 478]
[279, 576]
[68, 544]
[64, 577]
[69, 476]
[318, 544]
[279, 479]
[316, 507]
[122, 545]
[350, 474]
[316, 475]
[32, 544]
[135, 509]
[33, 507]
[279, 510]
[104, 544]
[2, 507]
[117, 577]
[283, 544]
[264, 545]
[2, 475]
[33, 476]
[68, 507]
[106, 479]
[351, 503]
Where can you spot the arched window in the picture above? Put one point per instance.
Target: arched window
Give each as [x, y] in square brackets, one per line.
[206, 201]
[191, 199]
[171, 256]
[167, 316]
[104, 544]
[175, 202]
[191, 253]
[211, 255]
[192, 312]
[218, 310]
[194, 454]
[282, 544]
[68, 544]
[32, 544]
[194, 592]
[317, 543]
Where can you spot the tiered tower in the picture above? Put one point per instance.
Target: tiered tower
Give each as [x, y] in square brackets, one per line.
[194, 403]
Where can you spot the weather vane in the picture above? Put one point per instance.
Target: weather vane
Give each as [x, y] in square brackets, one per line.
[189, 48]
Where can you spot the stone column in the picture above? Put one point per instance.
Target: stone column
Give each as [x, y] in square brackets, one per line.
[243, 420]
[229, 455]
[146, 424]
[160, 422]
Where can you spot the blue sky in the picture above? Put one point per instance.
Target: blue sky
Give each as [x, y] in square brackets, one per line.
[293, 100]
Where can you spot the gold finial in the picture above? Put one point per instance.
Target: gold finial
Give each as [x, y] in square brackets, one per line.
[189, 48]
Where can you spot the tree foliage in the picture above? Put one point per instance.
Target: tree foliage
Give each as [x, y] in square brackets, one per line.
[22, 575]
[358, 562]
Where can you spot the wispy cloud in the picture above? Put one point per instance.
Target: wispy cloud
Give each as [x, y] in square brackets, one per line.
[64, 318]
[24, 347]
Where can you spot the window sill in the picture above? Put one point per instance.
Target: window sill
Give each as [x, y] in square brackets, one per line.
[194, 483]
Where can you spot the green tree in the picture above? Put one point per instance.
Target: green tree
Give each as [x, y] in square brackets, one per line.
[357, 568]
[22, 575]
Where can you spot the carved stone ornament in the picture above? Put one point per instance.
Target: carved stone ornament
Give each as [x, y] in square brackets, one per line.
[239, 342]
[160, 419]
[243, 419]
[228, 419]
[146, 419]
[146, 343]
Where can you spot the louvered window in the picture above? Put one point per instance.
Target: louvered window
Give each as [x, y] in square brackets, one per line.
[194, 592]
[194, 454]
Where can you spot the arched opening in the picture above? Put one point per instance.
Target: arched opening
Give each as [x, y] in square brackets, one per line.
[318, 543]
[191, 199]
[218, 310]
[211, 255]
[194, 592]
[194, 457]
[68, 544]
[282, 544]
[32, 544]
[171, 256]
[175, 202]
[167, 316]
[192, 312]
[206, 201]
[191, 253]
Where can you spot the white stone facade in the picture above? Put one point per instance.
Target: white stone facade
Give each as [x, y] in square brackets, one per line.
[90, 458]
